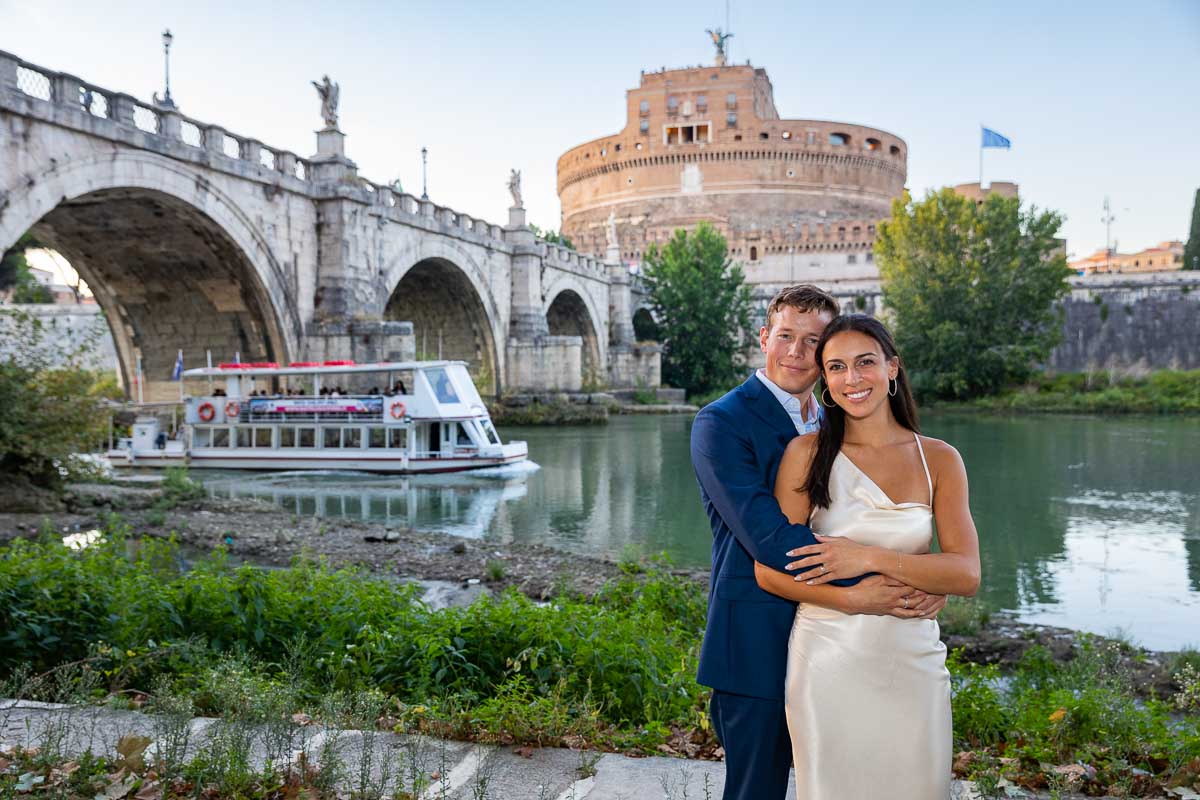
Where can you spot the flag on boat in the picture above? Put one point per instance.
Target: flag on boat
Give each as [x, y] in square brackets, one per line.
[993, 139]
[177, 373]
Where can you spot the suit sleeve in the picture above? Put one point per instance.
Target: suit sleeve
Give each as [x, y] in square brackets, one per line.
[729, 474]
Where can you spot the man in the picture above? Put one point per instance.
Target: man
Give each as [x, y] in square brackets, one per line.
[737, 444]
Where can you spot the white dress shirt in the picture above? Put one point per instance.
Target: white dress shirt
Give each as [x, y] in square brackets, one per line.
[792, 406]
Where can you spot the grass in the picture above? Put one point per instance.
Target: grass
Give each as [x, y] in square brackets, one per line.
[256, 647]
[1159, 392]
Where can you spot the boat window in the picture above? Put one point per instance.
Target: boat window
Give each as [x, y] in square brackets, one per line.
[287, 437]
[398, 438]
[464, 437]
[489, 431]
[443, 390]
[377, 437]
[306, 437]
[332, 437]
[262, 437]
[201, 437]
[243, 437]
[220, 437]
[351, 437]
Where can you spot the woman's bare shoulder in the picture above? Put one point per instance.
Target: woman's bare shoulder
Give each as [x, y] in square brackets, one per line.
[801, 448]
[943, 457]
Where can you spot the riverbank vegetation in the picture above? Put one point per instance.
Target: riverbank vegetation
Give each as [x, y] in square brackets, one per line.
[614, 670]
[1159, 392]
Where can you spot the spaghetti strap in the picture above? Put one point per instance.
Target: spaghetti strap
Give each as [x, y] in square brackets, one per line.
[925, 464]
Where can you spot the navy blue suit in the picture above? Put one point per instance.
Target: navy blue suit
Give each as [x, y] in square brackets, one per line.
[737, 444]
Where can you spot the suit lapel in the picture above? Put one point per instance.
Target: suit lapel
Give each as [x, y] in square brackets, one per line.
[760, 401]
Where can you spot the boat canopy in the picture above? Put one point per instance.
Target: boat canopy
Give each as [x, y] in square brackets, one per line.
[266, 369]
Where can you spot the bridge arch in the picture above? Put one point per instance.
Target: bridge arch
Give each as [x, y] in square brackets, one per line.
[571, 311]
[173, 261]
[440, 289]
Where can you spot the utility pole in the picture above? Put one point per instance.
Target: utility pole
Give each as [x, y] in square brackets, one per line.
[424, 181]
[167, 102]
[1108, 220]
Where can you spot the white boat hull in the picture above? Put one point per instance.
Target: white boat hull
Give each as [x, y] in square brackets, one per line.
[224, 459]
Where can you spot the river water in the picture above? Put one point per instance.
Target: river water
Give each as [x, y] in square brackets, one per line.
[1087, 523]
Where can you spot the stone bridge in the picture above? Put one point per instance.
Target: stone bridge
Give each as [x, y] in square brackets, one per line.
[194, 237]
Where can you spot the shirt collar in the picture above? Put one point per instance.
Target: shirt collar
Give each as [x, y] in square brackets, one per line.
[790, 403]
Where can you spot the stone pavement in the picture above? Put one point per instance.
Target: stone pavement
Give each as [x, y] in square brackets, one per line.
[378, 760]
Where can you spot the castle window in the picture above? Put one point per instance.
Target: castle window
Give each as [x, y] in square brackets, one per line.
[839, 139]
[764, 135]
[870, 257]
[603, 151]
[731, 119]
[638, 145]
[851, 259]
[812, 137]
[701, 102]
[731, 100]
[672, 104]
[618, 148]
[754, 253]
[786, 135]
[644, 107]
[737, 138]
[857, 231]
[872, 144]
[644, 127]
[841, 233]
[894, 150]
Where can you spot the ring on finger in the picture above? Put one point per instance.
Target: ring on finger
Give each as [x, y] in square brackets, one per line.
[905, 599]
[823, 569]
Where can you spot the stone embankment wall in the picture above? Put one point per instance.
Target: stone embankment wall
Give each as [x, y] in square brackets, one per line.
[1128, 323]
[66, 328]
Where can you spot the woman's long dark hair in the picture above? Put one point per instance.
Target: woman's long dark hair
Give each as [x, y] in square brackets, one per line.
[833, 425]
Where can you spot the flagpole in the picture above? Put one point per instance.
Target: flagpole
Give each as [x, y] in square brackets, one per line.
[981, 159]
[181, 376]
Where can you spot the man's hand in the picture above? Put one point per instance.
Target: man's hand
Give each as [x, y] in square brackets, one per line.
[882, 596]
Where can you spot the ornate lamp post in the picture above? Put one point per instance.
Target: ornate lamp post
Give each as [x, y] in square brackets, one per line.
[166, 40]
[424, 182]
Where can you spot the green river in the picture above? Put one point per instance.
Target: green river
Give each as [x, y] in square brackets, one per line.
[1088, 523]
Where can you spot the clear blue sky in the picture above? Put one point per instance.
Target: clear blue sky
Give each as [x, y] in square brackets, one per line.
[1098, 97]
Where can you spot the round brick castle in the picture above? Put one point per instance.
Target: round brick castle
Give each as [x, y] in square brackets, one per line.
[798, 200]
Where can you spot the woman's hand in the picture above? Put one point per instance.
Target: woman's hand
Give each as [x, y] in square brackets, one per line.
[831, 558]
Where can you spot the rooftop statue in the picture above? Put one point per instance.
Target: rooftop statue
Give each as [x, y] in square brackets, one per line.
[719, 40]
[514, 186]
[328, 91]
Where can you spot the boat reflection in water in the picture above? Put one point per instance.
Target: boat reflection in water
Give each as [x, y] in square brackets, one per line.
[463, 504]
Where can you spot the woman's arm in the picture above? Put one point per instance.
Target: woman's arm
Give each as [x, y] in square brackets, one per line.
[955, 570]
[874, 595]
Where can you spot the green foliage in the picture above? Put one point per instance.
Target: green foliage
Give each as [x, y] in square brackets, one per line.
[974, 290]
[178, 489]
[15, 274]
[1191, 250]
[1160, 392]
[551, 236]
[53, 408]
[963, 616]
[703, 308]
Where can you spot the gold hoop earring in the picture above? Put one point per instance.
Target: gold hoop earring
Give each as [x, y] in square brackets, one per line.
[830, 404]
[893, 387]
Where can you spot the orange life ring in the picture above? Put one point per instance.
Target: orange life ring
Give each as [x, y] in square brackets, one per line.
[206, 412]
[397, 411]
[232, 409]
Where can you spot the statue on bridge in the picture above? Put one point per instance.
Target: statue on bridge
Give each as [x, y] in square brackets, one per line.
[719, 40]
[328, 91]
[611, 229]
[514, 186]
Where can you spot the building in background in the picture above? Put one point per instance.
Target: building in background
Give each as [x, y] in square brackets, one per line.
[1163, 257]
[797, 200]
[976, 192]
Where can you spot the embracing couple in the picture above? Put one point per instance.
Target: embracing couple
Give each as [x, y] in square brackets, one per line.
[822, 649]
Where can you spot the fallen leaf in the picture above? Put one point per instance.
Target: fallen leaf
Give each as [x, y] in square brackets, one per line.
[131, 747]
[151, 790]
[300, 718]
[1058, 715]
[524, 752]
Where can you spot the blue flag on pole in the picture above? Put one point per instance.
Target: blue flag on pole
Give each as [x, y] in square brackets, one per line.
[177, 373]
[993, 139]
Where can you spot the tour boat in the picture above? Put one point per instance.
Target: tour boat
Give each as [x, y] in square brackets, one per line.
[415, 417]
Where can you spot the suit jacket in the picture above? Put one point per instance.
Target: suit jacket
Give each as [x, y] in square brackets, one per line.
[737, 444]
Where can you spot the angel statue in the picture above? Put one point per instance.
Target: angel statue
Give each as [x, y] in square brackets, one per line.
[611, 229]
[514, 186]
[719, 40]
[327, 90]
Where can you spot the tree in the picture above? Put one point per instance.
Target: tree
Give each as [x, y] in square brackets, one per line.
[974, 290]
[53, 407]
[703, 308]
[15, 274]
[551, 236]
[1191, 251]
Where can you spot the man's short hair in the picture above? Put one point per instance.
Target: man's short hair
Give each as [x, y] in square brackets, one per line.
[804, 297]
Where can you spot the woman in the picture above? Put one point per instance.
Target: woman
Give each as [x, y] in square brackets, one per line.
[868, 697]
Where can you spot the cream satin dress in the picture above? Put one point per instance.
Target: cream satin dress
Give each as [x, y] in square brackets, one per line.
[868, 697]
